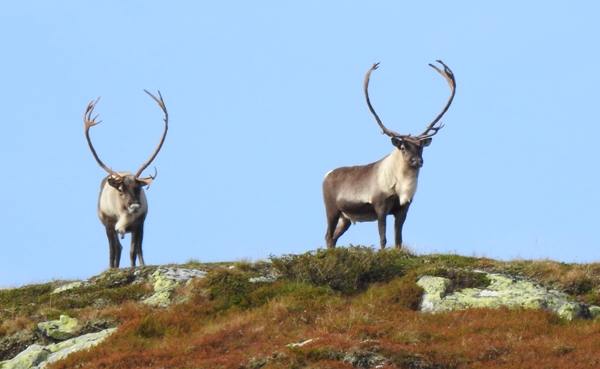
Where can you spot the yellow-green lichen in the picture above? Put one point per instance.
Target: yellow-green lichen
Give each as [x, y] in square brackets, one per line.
[61, 329]
[502, 291]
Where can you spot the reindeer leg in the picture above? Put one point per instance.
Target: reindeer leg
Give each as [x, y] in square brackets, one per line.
[332, 222]
[382, 227]
[400, 217]
[114, 247]
[136, 245]
[343, 225]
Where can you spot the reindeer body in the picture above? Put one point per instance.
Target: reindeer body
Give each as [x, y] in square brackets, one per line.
[122, 210]
[122, 204]
[371, 192]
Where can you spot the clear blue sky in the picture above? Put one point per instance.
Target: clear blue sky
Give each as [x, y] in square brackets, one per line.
[266, 97]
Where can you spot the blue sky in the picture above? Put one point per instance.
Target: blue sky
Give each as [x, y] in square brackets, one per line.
[266, 97]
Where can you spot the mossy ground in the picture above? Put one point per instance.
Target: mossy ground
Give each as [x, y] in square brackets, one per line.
[357, 305]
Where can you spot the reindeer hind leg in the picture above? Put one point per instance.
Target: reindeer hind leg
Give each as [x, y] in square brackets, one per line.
[342, 226]
[332, 223]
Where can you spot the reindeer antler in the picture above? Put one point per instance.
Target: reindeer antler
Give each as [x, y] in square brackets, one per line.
[366, 90]
[162, 105]
[447, 73]
[90, 122]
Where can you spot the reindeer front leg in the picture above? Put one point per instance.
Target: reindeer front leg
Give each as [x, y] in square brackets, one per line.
[400, 217]
[137, 236]
[125, 220]
[382, 227]
[114, 247]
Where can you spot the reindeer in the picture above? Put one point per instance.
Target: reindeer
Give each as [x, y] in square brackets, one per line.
[122, 204]
[371, 192]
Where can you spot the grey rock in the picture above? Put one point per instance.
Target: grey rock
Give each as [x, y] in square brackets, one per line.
[30, 358]
[166, 280]
[503, 291]
[62, 350]
[269, 278]
[38, 357]
[61, 329]
[67, 287]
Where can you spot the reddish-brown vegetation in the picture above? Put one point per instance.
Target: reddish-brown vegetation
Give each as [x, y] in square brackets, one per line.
[229, 323]
[355, 305]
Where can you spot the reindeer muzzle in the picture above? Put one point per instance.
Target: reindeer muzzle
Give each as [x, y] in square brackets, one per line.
[133, 208]
[416, 162]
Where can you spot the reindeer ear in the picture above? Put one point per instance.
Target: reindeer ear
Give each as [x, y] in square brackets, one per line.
[144, 181]
[426, 142]
[396, 142]
[114, 182]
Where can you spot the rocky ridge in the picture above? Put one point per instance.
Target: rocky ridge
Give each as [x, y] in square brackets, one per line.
[438, 297]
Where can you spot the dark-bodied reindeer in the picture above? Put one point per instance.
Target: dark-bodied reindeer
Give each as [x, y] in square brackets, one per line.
[122, 205]
[371, 192]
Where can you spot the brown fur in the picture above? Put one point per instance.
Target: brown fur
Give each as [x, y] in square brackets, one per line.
[358, 194]
[372, 192]
[122, 204]
[113, 203]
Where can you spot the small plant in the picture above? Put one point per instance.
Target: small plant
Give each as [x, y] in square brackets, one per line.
[192, 263]
[347, 270]
[18, 323]
[229, 288]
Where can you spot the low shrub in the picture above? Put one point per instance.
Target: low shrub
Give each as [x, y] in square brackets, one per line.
[347, 270]
[229, 288]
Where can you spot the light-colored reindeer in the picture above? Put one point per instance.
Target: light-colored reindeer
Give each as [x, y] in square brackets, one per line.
[372, 192]
[122, 204]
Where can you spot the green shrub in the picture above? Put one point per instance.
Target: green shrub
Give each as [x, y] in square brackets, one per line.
[343, 269]
[231, 287]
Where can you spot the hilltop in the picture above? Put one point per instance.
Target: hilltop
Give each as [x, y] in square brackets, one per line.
[342, 308]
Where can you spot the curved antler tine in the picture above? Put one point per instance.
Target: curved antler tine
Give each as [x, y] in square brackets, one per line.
[159, 102]
[162, 105]
[90, 122]
[366, 90]
[447, 73]
[87, 116]
[149, 179]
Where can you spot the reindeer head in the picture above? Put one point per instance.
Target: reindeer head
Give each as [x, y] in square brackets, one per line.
[129, 189]
[129, 186]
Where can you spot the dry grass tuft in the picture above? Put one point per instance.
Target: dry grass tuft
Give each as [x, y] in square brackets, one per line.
[16, 324]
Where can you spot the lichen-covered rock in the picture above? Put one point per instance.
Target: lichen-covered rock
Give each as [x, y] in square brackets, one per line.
[364, 359]
[166, 279]
[67, 286]
[30, 358]
[269, 278]
[38, 357]
[63, 349]
[435, 287]
[12, 345]
[61, 329]
[503, 291]
[594, 311]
